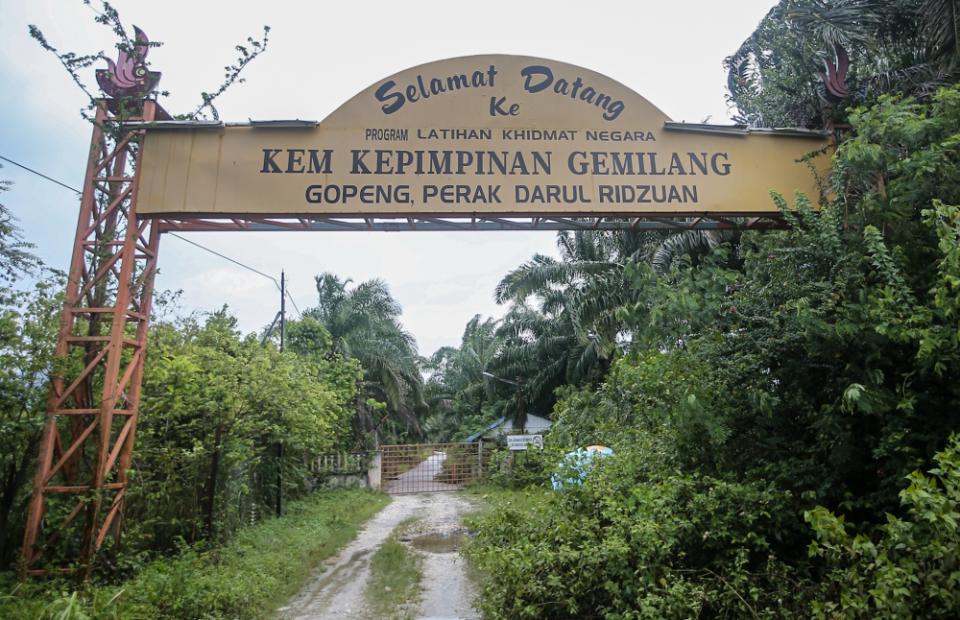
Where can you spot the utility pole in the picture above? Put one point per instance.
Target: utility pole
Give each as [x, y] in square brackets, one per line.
[283, 309]
[520, 416]
[520, 419]
[283, 335]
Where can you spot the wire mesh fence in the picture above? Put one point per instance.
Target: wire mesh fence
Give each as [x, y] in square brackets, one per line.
[424, 468]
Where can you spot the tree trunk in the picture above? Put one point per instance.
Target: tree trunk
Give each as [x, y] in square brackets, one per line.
[7, 497]
[14, 478]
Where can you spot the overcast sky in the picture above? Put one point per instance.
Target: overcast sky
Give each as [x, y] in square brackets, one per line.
[320, 55]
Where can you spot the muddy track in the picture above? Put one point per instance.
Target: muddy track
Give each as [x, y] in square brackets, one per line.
[337, 589]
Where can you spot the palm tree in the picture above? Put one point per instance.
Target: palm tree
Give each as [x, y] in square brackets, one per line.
[694, 244]
[363, 322]
[563, 326]
[459, 396]
[905, 46]
[541, 352]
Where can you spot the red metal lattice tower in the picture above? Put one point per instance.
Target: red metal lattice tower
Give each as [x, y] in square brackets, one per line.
[94, 399]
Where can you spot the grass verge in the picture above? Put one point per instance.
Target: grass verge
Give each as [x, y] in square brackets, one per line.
[488, 497]
[395, 575]
[247, 578]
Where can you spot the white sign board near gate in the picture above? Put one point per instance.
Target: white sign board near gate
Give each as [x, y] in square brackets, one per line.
[521, 442]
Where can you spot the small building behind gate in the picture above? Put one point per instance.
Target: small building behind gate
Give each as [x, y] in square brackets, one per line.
[535, 425]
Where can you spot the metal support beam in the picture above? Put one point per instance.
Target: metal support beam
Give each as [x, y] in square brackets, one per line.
[92, 410]
[407, 222]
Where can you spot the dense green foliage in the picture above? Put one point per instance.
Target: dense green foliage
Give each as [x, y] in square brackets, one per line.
[895, 46]
[247, 578]
[913, 566]
[28, 322]
[214, 407]
[638, 541]
[776, 375]
[630, 544]
[363, 323]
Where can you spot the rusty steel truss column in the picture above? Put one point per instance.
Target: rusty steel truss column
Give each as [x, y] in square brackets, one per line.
[85, 451]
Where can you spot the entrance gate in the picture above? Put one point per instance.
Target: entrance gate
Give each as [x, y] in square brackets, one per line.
[476, 143]
[429, 467]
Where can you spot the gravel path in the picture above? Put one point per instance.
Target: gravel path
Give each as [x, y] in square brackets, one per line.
[448, 592]
[337, 590]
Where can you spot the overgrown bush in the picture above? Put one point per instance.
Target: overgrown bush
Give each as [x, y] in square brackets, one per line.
[520, 469]
[216, 405]
[765, 376]
[911, 568]
[625, 545]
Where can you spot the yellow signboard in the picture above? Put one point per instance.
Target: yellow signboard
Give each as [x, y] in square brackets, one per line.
[504, 135]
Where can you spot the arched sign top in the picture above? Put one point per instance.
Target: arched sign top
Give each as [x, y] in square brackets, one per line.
[499, 91]
[491, 135]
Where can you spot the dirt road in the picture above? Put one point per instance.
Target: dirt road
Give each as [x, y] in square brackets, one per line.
[337, 590]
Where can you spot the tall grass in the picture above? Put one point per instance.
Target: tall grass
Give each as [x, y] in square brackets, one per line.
[395, 575]
[247, 578]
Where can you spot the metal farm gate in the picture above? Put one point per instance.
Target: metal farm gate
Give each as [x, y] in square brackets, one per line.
[428, 467]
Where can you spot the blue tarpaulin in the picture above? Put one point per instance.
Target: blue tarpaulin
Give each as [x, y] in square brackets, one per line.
[575, 465]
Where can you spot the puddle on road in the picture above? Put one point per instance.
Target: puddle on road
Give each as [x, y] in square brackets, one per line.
[439, 542]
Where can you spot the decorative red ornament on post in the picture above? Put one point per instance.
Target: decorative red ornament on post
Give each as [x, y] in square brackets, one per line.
[129, 76]
[835, 78]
